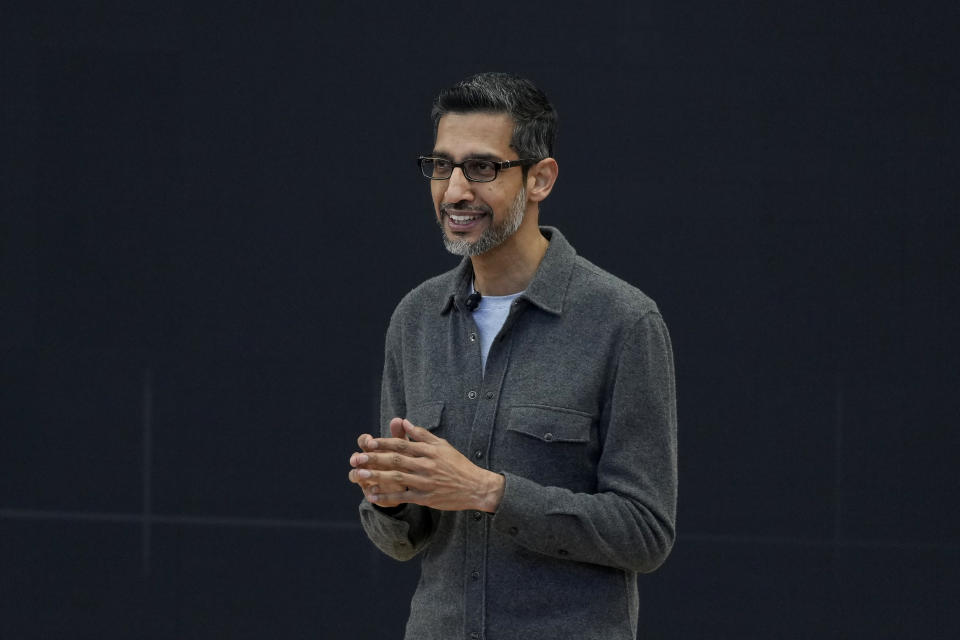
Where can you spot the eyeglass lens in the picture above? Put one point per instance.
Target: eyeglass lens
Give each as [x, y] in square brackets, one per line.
[473, 168]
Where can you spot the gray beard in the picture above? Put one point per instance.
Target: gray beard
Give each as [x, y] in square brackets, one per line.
[493, 236]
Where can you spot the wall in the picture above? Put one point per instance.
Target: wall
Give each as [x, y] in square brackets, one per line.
[208, 213]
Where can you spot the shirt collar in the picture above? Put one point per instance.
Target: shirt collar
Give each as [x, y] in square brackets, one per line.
[548, 288]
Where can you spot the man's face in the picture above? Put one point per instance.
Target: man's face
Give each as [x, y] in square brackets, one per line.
[476, 217]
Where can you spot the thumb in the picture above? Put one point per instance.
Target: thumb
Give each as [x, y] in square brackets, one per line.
[396, 428]
[419, 434]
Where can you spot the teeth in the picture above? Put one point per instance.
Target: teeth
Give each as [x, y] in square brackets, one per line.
[463, 219]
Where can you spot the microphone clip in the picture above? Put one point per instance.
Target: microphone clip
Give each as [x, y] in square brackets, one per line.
[473, 301]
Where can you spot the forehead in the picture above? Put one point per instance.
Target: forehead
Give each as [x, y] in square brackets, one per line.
[460, 134]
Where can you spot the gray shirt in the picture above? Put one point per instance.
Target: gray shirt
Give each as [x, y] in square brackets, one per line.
[577, 410]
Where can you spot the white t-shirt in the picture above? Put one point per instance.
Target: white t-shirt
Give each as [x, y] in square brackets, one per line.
[490, 315]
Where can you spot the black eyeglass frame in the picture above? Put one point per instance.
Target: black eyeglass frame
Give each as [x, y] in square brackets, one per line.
[500, 166]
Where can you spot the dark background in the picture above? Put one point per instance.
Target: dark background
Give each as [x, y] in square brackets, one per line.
[210, 209]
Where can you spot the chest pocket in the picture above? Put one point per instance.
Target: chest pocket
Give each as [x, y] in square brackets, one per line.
[550, 424]
[551, 445]
[426, 415]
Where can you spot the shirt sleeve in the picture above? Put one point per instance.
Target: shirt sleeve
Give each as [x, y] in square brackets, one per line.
[403, 532]
[629, 522]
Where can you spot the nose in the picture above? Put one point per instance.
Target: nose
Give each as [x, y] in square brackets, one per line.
[458, 187]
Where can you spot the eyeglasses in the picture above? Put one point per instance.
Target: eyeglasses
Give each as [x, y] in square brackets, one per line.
[474, 169]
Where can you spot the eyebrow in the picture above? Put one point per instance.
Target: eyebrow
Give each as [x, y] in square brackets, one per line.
[476, 156]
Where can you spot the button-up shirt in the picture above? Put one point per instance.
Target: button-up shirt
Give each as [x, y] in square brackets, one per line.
[577, 411]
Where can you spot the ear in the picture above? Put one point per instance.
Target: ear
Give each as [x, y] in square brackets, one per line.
[540, 179]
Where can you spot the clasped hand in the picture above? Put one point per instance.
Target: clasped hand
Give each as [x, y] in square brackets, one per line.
[419, 467]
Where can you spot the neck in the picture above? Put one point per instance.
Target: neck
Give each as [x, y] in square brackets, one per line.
[510, 267]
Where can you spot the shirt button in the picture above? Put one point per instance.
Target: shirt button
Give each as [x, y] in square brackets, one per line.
[513, 531]
[472, 395]
[489, 395]
[475, 575]
[474, 636]
[548, 436]
[477, 515]
[478, 454]
[473, 337]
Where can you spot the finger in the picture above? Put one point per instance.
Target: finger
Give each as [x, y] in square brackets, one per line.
[390, 481]
[396, 428]
[363, 440]
[380, 501]
[387, 479]
[400, 445]
[358, 459]
[363, 475]
[393, 461]
[418, 434]
[386, 488]
[371, 486]
[355, 477]
[391, 499]
[375, 489]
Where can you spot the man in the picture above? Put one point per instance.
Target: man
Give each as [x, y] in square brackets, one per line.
[528, 447]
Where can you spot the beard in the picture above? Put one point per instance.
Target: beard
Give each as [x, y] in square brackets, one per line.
[493, 236]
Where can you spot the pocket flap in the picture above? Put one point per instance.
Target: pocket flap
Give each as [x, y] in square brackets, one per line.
[550, 424]
[426, 415]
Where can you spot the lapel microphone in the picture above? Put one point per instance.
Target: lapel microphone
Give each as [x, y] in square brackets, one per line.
[473, 301]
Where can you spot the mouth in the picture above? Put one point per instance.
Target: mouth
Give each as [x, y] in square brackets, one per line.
[463, 220]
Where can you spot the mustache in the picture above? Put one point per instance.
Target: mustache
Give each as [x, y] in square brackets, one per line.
[452, 207]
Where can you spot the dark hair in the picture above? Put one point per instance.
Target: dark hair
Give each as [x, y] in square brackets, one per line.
[535, 120]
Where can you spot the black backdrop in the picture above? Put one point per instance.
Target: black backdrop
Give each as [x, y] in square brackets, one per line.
[209, 210]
